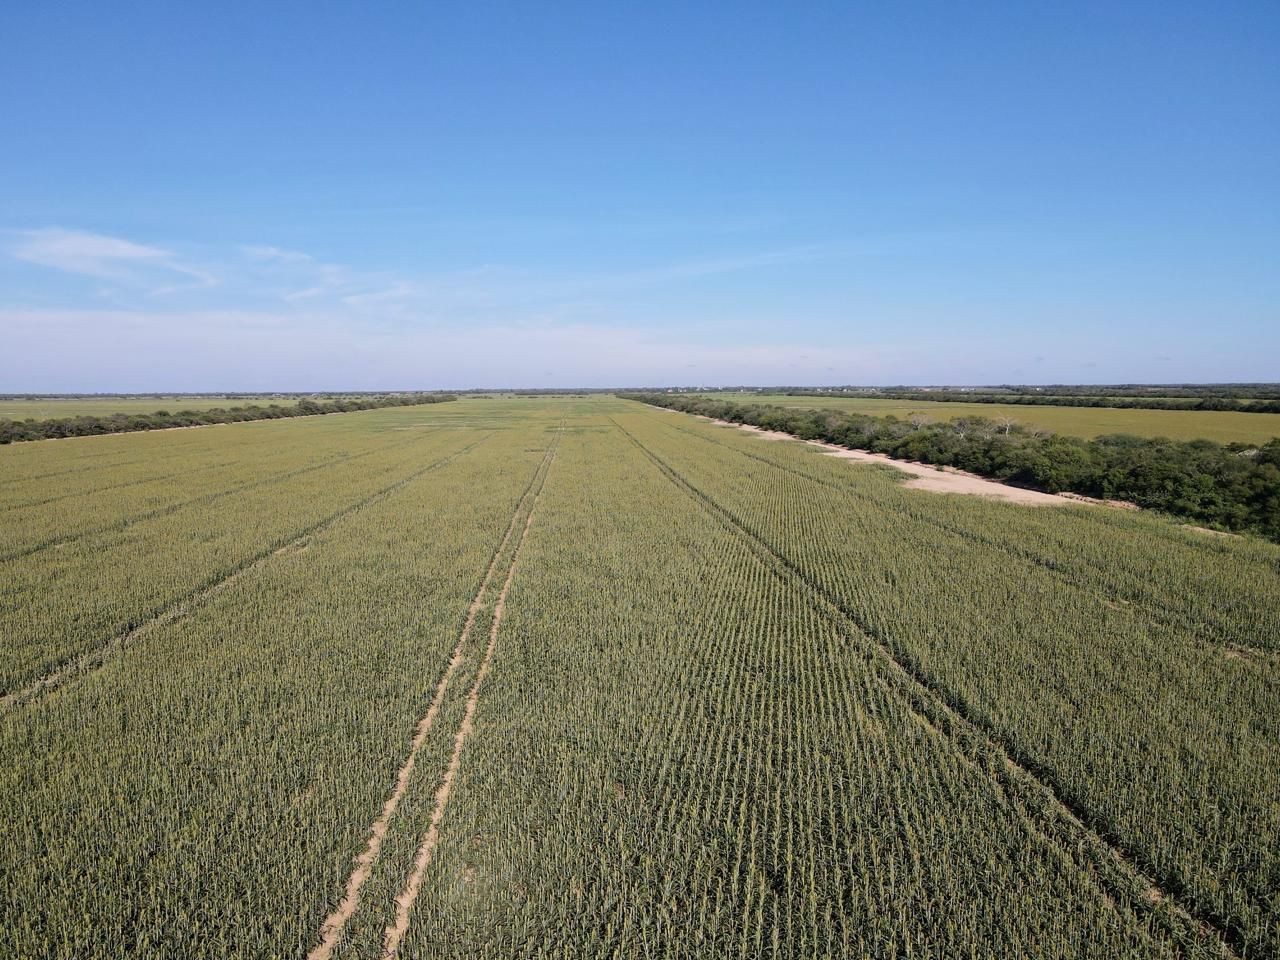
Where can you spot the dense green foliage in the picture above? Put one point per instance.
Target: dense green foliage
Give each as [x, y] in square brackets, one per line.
[1231, 486]
[721, 698]
[86, 426]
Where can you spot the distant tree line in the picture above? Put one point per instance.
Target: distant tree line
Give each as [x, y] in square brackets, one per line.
[12, 431]
[1188, 402]
[1229, 486]
[220, 395]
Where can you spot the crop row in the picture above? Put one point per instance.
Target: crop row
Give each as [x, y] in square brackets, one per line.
[1224, 590]
[203, 793]
[1166, 744]
[679, 754]
[80, 515]
[58, 604]
[677, 692]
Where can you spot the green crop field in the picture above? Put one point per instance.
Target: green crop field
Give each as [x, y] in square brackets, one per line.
[1087, 422]
[579, 677]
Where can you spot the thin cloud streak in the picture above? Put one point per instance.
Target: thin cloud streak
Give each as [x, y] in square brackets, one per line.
[89, 254]
[256, 276]
[275, 254]
[105, 257]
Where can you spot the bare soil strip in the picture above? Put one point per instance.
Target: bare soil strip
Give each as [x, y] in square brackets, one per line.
[1036, 799]
[332, 929]
[395, 931]
[941, 480]
[929, 476]
[87, 662]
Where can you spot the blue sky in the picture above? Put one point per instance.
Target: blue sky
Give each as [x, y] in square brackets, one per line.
[324, 196]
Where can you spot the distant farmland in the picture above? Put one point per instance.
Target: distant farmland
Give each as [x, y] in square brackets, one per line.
[47, 408]
[1087, 422]
[560, 678]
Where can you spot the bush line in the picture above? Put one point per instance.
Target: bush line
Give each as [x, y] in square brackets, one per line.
[1232, 486]
[15, 431]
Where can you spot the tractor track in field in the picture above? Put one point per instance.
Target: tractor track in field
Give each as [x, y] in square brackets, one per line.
[332, 929]
[1160, 616]
[89, 661]
[395, 931]
[1034, 788]
[206, 498]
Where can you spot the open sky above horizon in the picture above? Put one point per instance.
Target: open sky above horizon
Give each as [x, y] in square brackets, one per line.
[298, 196]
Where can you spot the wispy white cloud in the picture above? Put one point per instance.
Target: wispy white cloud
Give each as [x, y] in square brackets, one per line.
[713, 266]
[307, 293]
[398, 294]
[291, 275]
[276, 254]
[484, 323]
[259, 275]
[198, 279]
[87, 253]
[108, 258]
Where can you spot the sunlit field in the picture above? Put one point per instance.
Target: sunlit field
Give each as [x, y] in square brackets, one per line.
[581, 677]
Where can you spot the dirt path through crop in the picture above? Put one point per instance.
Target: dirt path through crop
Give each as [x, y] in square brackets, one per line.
[927, 476]
[939, 480]
[331, 930]
[395, 931]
